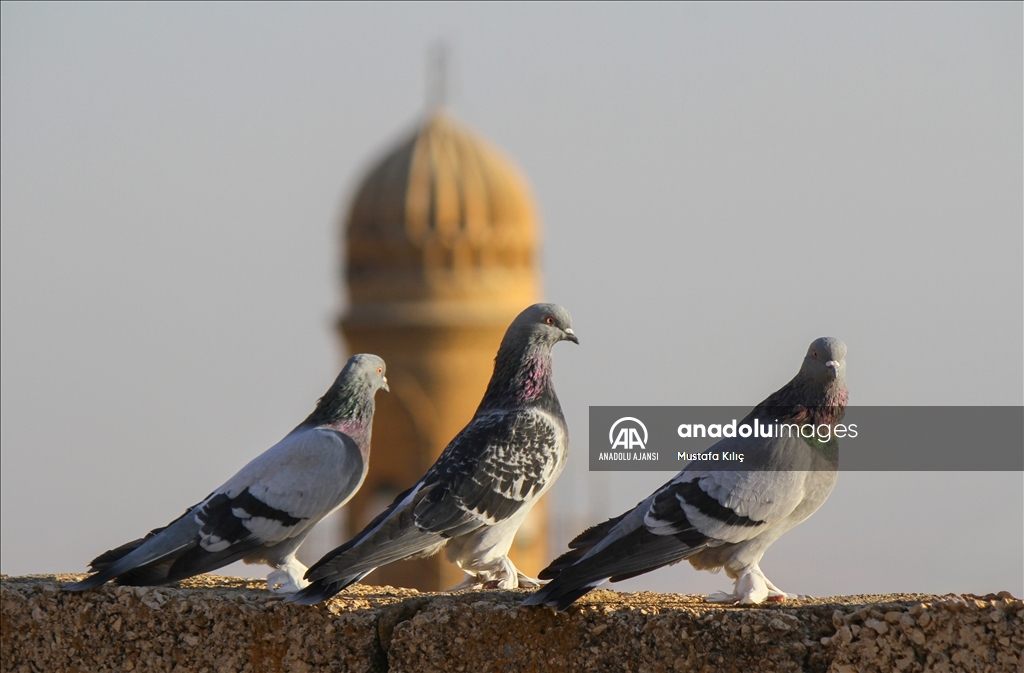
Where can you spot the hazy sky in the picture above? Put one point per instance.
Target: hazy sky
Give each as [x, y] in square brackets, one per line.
[720, 184]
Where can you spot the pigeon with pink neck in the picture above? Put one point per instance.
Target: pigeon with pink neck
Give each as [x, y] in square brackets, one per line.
[472, 501]
[723, 518]
[263, 513]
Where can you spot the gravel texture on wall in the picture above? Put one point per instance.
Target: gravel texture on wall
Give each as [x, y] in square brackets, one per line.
[220, 624]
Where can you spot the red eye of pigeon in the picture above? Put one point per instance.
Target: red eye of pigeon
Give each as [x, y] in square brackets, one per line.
[549, 320]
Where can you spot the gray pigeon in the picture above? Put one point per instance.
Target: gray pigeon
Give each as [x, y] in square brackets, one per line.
[718, 518]
[473, 499]
[263, 513]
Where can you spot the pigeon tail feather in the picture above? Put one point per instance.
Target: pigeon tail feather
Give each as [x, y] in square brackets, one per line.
[359, 537]
[559, 596]
[391, 536]
[159, 546]
[320, 590]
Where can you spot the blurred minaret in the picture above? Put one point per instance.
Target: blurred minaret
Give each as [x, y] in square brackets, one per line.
[441, 248]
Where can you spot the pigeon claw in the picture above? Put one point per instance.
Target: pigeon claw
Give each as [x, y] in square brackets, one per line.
[527, 582]
[722, 598]
[752, 588]
[286, 580]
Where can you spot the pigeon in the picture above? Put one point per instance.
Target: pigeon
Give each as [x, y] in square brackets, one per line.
[263, 513]
[473, 499]
[717, 518]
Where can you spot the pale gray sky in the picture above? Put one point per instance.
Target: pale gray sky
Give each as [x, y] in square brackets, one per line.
[720, 184]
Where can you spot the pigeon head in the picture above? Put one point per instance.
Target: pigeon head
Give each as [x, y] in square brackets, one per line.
[366, 369]
[522, 368]
[825, 361]
[350, 399]
[819, 387]
[542, 325]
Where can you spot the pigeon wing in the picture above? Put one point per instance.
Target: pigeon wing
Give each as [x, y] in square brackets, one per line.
[734, 505]
[274, 498]
[498, 464]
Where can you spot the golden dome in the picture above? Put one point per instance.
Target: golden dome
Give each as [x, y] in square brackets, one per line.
[444, 217]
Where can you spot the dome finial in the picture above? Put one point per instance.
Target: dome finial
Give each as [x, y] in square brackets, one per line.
[437, 74]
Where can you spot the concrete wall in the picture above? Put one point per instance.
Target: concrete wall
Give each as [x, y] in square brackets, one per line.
[217, 624]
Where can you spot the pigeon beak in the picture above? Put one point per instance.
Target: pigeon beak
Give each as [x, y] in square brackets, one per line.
[385, 384]
[571, 336]
[833, 367]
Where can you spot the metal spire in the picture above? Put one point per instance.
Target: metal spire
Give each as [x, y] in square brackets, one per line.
[437, 74]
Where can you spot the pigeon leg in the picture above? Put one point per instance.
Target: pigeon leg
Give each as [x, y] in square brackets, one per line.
[287, 579]
[497, 574]
[506, 575]
[527, 582]
[751, 588]
[522, 580]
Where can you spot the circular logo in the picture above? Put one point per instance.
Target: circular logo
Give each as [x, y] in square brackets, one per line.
[628, 437]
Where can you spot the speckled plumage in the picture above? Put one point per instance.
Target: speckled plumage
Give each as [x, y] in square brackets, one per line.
[473, 499]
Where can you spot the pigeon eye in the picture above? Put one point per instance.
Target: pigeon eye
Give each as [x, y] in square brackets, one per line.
[549, 320]
[380, 370]
[814, 354]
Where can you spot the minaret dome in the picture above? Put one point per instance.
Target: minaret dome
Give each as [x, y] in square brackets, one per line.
[444, 216]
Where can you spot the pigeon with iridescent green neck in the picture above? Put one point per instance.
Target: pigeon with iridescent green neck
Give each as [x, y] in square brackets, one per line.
[718, 518]
[263, 513]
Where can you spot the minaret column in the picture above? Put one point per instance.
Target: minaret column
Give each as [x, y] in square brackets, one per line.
[441, 254]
